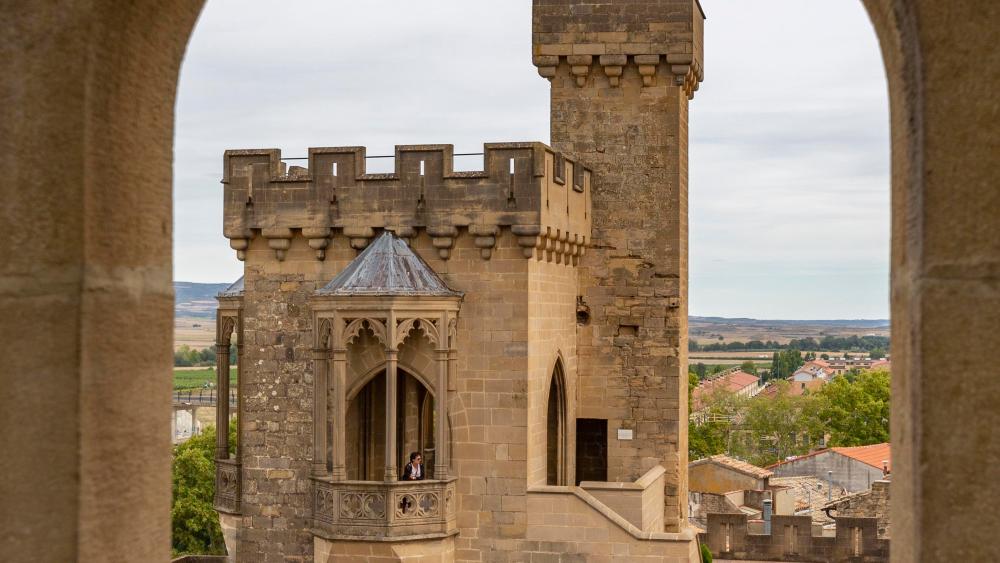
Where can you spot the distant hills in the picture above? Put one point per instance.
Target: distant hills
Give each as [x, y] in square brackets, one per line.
[196, 299]
[852, 323]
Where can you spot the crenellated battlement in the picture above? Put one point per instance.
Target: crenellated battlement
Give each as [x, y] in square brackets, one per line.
[658, 43]
[540, 195]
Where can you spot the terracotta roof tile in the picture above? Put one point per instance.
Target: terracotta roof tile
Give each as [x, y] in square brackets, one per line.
[873, 455]
[732, 382]
[735, 465]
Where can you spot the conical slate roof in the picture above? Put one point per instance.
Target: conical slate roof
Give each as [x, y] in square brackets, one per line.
[234, 290]
[388, 267]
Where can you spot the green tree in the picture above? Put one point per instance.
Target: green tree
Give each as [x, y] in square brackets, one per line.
[693, 380]
[784, 363]
[774, 428]
[713, 430]
[701, 370]
[193, 518]
[855, 411]
[749, 367]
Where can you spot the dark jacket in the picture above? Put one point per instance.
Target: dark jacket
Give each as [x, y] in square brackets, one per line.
[408, 470]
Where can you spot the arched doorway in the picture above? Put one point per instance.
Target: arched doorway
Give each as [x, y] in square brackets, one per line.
[366, 426]
[555, 429]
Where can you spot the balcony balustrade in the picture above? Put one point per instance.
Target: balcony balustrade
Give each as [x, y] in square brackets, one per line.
[227, 486]
[372, 509]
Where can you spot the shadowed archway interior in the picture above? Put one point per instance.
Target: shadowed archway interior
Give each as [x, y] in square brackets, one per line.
[555, 429]
[366, 422]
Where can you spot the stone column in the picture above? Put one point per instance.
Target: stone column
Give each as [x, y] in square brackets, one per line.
[221, 403]
[239, 393]
[319, 411]
[391, 361]
[441, 457]
[339, 384]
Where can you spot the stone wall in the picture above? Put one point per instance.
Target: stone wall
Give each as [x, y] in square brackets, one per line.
[276, 388]
[791, 539]
[621, 79]
[568, 524]
[870, 504]
[416, 551]
[552, 292]
[714, 478]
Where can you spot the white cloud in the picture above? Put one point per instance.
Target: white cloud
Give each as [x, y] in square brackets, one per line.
[789, 133]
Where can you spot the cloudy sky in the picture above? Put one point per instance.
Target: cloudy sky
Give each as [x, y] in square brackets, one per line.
[789, 150]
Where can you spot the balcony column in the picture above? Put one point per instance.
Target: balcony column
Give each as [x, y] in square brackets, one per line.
[339, 385]
[441, 454]
[319, 411]
[221, 402]
[391, 383]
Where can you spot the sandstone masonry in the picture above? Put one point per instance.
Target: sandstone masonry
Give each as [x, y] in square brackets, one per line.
[479, 318]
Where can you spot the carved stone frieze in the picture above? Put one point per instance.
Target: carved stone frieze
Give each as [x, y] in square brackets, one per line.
[227, 486]
[365, 509]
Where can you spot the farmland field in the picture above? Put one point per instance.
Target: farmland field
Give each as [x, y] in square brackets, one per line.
[706, 330]
[197, 378]
[196, 332]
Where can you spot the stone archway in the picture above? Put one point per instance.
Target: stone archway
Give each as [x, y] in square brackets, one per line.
[86, 143]
[366, 425]
[556, 429]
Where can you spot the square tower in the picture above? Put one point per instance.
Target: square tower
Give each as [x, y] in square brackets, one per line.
[622, 74]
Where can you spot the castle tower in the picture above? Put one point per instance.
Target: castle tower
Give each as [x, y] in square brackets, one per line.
[526, 336]
[622, 74]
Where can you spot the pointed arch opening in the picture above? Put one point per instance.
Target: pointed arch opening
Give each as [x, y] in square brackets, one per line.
[367, 420]
[555, 428]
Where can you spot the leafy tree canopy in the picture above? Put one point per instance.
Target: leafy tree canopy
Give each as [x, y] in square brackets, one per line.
[850, 410]
[193, 517]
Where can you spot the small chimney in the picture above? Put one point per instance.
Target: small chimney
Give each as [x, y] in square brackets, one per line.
[767, 516]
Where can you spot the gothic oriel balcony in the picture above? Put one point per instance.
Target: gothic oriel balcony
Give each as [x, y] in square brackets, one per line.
[391, 509]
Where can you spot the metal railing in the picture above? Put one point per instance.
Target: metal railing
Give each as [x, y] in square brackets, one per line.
[202, 397]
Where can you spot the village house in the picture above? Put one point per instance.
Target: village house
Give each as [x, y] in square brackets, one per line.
[841, 364]
[733, 380]
[852, 468]
[813, 370]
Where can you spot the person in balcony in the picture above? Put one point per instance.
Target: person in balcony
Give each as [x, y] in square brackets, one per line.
[414, 471]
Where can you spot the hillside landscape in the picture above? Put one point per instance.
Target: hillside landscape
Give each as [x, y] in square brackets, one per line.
[194, 323]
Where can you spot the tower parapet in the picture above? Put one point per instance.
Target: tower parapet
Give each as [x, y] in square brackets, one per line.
[662, 40]
[540, 195]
